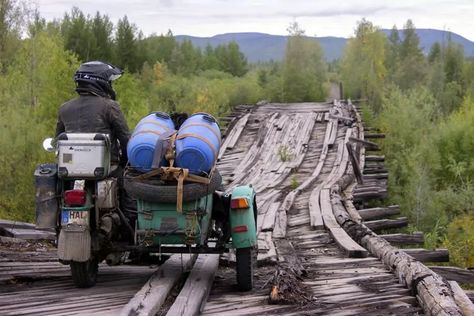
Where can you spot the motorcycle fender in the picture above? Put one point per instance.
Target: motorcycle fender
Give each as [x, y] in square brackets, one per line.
[242, 221]
[74, 244]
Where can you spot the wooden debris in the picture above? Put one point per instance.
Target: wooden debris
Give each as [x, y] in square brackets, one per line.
[286, 284]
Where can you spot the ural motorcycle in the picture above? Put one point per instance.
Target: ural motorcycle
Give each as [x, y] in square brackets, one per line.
[176, 212]
[78, 197]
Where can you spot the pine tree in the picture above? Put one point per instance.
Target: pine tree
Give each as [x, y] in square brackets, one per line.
[126, 45]
[101, 29]
[77, 34]
[412, 70]
[392, 55]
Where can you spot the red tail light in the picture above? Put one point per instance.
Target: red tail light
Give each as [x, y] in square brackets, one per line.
[239, 203]
[75, 197]
[240, 229]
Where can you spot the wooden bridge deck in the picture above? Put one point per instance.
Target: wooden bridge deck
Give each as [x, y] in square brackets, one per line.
[295, 156]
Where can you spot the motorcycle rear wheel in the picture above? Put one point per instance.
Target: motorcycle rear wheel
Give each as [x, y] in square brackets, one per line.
[245, 264]
[84, 274]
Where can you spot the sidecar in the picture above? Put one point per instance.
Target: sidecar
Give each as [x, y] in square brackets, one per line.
[215, 222]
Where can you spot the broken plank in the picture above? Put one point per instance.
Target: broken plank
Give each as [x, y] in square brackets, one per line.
[369, 145]
[352, 249]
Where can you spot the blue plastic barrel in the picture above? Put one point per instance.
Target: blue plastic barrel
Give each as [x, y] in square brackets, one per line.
[141, 146]
[198, 144]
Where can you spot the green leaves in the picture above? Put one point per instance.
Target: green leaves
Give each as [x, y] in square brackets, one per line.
[363, 69]
[304, 70]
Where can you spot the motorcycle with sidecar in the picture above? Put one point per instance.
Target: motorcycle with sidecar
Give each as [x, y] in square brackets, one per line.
[176, 212]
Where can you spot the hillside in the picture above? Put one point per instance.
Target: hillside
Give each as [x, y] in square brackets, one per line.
[260, 47]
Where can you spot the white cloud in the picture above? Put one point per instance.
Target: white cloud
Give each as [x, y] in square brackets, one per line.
[323, 18]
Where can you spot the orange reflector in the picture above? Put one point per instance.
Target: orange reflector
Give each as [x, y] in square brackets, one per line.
[239, 203]
[240, 229]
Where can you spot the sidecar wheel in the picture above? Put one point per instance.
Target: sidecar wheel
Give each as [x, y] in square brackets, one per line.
[84, 274]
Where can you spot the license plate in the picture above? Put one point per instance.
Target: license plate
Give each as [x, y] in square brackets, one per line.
[75, 217]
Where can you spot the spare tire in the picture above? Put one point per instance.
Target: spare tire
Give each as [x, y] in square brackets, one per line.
[167, 193]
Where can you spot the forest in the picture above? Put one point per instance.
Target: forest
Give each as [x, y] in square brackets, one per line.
[423, 103]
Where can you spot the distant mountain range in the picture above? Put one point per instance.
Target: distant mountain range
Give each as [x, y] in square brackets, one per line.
[260, 47]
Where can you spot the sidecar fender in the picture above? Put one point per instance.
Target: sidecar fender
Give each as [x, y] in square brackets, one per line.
[243, 217]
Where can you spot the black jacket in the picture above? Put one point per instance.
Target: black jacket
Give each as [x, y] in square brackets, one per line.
[94, 114]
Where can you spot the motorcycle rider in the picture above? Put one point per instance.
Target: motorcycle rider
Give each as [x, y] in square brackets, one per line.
[96, 111]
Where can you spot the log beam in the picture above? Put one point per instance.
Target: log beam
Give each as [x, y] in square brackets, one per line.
[381, 224]
[374, 135]
[417, 238]
[459, 275]
[425, 255]
[379, 212]
[375, 158]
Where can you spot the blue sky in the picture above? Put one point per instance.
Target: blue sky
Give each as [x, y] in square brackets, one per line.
[318, 18]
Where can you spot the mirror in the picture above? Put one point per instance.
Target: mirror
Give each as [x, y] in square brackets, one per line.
[48, 144]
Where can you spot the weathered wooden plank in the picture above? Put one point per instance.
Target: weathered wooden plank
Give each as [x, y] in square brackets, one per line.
[193, 295]
[351, 248]
[462, 299]
[405, 239]
[279, 231]
[28, 234]
[270, 216]
[369, 145]
[470, 294]
[454, 274]
[379, 212]
[326, 210]
[381, 224]
[426, 255]
[15, 224]
[374, 158]
[374, 135]
[379, 175]
[153, 294]
[355, 164]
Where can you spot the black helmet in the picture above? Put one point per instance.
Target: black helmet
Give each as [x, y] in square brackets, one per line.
[96, 77]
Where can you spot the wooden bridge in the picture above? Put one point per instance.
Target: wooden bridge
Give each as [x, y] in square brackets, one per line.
[314, 167]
